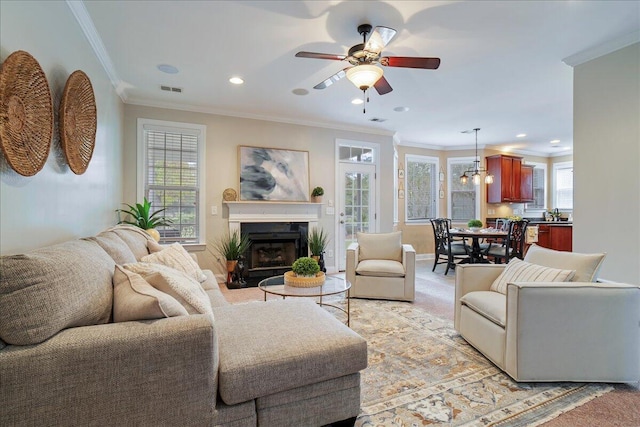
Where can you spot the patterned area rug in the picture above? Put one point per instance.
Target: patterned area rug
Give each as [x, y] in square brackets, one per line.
[421, 372]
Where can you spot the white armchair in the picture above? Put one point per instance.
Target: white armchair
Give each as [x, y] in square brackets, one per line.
[379, 266]
[552, 331]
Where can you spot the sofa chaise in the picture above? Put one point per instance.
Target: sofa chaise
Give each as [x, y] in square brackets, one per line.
[546, 318]
[65, 361]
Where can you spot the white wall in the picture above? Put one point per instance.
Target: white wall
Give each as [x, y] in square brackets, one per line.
[225, 134]
[55, 204]
[606, 146]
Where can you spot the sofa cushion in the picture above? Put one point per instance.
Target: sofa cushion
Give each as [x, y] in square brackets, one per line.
[175, 256]
[269, 347]
[491, 305]
[53, 288]
[135, 299]
[587, 266]
[380, 268]
[114, 246]
[186, 290]
[380, 246]
[136, 238]
[521, 271]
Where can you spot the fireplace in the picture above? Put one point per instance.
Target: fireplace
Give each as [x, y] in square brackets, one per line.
[274, 248]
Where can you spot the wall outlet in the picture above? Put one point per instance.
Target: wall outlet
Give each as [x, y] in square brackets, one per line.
[214, 210]
[331, 211]
[491, 211]
[330, 253]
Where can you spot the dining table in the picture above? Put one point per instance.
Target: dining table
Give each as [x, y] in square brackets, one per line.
[476, 257]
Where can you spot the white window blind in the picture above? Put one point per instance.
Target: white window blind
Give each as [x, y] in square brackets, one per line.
[171, 175]
[421, 192]
[462, 196]
[564, 187]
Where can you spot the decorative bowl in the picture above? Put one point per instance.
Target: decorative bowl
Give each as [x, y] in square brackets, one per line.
[290, 279]
[474, 229]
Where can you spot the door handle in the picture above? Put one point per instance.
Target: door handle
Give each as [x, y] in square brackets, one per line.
[341, 221]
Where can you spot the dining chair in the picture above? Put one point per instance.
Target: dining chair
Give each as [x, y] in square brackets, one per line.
[513, 244]
[446, 250]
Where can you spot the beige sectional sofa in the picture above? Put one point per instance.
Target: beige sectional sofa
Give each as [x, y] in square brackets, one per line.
[545, 319]
[64, 361]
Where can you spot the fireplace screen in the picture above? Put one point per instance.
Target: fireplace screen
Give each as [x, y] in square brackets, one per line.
[274, 248]
[272, 254]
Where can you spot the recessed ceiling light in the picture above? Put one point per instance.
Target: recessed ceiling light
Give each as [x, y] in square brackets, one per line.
[401, 109]
[521, 135]
[300, 92]
[555, 141]
[166, 68]
[236, 80]
[357, 101]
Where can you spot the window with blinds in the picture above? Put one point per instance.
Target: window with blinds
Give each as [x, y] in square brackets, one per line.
[563, 185]
[421, 192]
[462, 196]
[172, 180]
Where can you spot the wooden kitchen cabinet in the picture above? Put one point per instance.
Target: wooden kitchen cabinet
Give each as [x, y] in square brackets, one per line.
[558, 237]
[512, 181]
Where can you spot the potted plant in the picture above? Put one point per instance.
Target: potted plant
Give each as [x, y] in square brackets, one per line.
[305, 267]
[474, 224]
[231, 246]
[143, 217]
[318, 241]
[317, 194]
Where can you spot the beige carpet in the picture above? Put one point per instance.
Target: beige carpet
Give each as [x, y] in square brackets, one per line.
[434, 305]
[421, 372]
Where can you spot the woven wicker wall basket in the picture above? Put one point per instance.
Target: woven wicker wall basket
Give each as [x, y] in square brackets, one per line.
[78, 121]
[26, 113]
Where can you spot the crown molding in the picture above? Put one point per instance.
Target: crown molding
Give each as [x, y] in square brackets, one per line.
[603, 49]
[91, 33]
[242, 115]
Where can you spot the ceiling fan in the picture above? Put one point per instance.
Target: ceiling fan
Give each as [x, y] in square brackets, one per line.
[364, 73]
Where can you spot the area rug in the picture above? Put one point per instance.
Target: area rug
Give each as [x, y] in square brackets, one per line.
[421, 373]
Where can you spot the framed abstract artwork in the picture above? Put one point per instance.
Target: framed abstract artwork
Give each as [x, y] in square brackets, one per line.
[273, 174]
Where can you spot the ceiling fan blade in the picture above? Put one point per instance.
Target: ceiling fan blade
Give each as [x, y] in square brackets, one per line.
[331, 80]
[383, 86]
[379, 39]
[317, 55]
[410, 62]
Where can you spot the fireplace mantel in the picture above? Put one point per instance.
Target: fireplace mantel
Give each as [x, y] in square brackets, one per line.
[267, 211]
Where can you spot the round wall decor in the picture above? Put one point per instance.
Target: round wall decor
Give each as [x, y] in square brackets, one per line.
[229, 195]
[26, 113]
[78, 121]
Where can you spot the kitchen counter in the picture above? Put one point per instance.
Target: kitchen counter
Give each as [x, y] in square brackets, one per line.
[556, 235]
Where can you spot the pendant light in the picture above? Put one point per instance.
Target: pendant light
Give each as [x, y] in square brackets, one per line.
[477, 170]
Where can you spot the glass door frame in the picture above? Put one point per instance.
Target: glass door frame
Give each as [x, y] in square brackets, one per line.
[339, 244]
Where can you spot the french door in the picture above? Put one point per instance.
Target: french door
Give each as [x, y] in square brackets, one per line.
[356, 205]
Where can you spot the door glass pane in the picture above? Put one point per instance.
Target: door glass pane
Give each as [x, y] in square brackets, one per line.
[356, 205]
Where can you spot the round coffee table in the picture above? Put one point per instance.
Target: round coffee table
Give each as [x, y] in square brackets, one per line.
[332, 286]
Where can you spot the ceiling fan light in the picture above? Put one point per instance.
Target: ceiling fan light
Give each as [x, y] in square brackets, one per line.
[364, 76]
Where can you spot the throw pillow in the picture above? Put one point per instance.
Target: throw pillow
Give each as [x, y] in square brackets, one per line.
[135, 299]
[175, 256]
[114, 246]
[154, 246]
[520, 271]
[186, 290]
[586, 265]
[380, 246]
